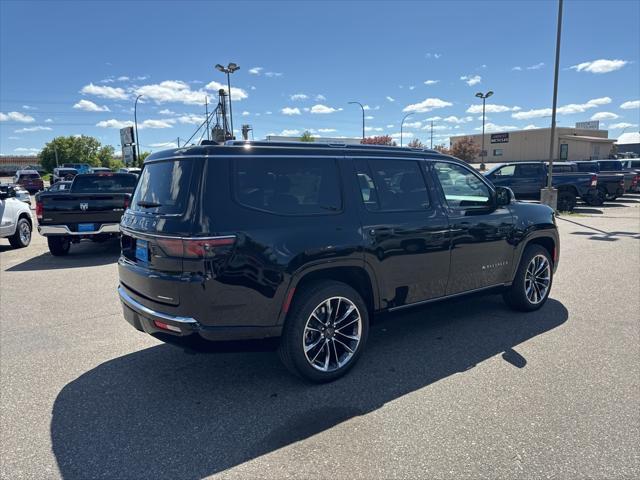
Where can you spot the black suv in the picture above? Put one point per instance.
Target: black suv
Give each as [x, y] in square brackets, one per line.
[307, 242]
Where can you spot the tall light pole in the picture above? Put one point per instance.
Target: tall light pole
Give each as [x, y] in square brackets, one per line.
[135, 122]
[362, 107]
[549, 195]
[431, 147]
[402, 125]
[484, 97]
[229, 69]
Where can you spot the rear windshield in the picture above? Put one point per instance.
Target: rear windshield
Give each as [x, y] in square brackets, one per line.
[31, 176]
[163, 187]
[615, 165]
[104, 184]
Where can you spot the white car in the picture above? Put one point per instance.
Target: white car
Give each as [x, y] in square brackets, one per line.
[16, 223]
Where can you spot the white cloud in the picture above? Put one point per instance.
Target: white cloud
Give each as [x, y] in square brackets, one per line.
[373, 129]
[290, 132]
[391, 99]
[530, 127]
[166, 111]
[471, 80]
[256, 70]
[122, 78]
[629, 137]
[37, 128]
[113, 123]
[369, 117]
[14, 138]
[427, 105]
[172, 91]
[412, 124]
[89, 106]
[155, 124]
[492, 127]
[537, 66]
[390, 125]
[454, 119]
[49, 120]
[245, 113]
[431, 82]
[298, 96]
[630, 104]
[436, 127]
[600, 66]
[432, 55]
[273, 74]
[319, 108]
[404, 135]
[615, 126]
[16, 117]
[142, 77]
[604, 116]
[517, 69]
[492, 108]
[327, 130]
[411, 87]
[112, 93]
[26, 150]
[164, 145]
[569, 109]
[432, 119]
[236, 93]
[290, 111]
[189, 119]
[320, 98]
[28, 107]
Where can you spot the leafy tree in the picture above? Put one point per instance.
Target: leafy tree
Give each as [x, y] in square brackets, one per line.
[142, 157]
[415, 143]
[465, 149]
[105, 156]
[307, 137]
[72, 149]
[443, 149]
[378, 140]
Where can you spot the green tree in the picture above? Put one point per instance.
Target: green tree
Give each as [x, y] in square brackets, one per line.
[105, 155]
[72, 149]
[307, 137]
[142, 157]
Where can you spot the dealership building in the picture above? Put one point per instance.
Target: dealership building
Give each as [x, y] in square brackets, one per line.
[526, 145]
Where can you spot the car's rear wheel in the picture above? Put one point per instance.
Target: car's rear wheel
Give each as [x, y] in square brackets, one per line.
[532, 283]
[22, 237]
[566, 201]
[58, 246]
[325, 332]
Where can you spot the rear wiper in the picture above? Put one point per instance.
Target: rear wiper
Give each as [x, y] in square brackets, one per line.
[148, 204]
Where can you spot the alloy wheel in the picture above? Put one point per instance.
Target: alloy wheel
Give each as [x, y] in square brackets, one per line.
[537, 279]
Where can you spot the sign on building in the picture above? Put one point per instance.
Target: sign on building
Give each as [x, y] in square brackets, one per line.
[500, 137]
[128, 154]
[591, 125]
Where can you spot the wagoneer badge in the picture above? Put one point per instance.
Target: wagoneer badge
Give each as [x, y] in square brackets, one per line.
[84, 206]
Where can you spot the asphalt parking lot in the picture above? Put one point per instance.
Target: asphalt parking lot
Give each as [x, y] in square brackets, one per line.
[462, 389]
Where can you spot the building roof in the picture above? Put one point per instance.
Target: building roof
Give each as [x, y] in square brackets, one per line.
[585, 138]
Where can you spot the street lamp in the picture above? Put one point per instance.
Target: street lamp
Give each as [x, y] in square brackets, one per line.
[402, 125]
[362, 107]
[484, 97]
[229, 69]
[135, 121]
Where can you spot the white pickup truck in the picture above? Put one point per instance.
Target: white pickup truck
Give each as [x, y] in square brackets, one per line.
[16, 223]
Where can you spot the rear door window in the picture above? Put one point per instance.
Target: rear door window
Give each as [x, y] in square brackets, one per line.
[288, 186]
[530, 171]
[462, 188]
[164, 187]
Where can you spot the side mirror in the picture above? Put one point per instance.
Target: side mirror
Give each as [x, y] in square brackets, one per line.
[504, 196]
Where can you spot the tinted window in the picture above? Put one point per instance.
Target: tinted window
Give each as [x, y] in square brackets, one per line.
[588, 167]
[104, 184]
[610, 166]
[163, 187]
[506, 171]
[290, 186]
[462, 188]
[29, 176]
[562, 169]
[531, 171]
[634, 164]
[392, 185]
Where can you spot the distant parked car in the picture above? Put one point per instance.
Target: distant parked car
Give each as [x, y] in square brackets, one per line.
[22, 194]
[100, 170]
[80, 167]
[133, 170]
[15, 218]
[610, 184]
[63, 173]
[30, 180]
[60, 187]
[632, 165]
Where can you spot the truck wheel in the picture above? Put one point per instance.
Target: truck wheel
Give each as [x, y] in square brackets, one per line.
[598, 198]
[22, 237]
[566, 201]
[325, 332]
[532, 283]
[58, 246]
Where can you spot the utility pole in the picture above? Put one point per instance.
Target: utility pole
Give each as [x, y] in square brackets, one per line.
[402, 125]
[206, 112]
[549, 195]
[135, 121]
[55, 150]
[362, 107]
[178, 142]
[484, 97]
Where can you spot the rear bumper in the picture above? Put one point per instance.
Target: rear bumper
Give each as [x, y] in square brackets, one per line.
[50, 230]
[190, 332]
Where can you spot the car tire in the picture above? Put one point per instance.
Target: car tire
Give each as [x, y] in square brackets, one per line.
[597, 200]
[59, 246]
[566, 201]
[314, 346]
[22, 237]
[535, 273]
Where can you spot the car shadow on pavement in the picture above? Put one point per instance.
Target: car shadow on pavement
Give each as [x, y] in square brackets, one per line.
[159, 413]
[83, 254]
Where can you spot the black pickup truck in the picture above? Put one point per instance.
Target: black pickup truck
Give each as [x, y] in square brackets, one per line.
[526, 179]
[610, 184]
[91, 209]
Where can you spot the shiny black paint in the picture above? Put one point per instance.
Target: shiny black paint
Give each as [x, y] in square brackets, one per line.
[408, 257]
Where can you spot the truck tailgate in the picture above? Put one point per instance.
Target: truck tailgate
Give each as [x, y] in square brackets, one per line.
[83, 208]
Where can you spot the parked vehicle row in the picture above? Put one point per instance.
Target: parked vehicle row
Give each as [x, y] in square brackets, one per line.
[16, 223]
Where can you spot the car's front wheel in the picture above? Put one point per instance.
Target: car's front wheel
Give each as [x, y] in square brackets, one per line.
[325, 331]
[22, 237]
[532, 283]
[58, 246]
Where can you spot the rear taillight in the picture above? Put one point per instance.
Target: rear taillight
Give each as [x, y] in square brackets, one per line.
[166, 326]
[39, 210]
[634, 181]
[594, 181]
[194, 247]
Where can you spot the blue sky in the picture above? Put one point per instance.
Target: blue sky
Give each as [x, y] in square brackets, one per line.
[72, 68]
